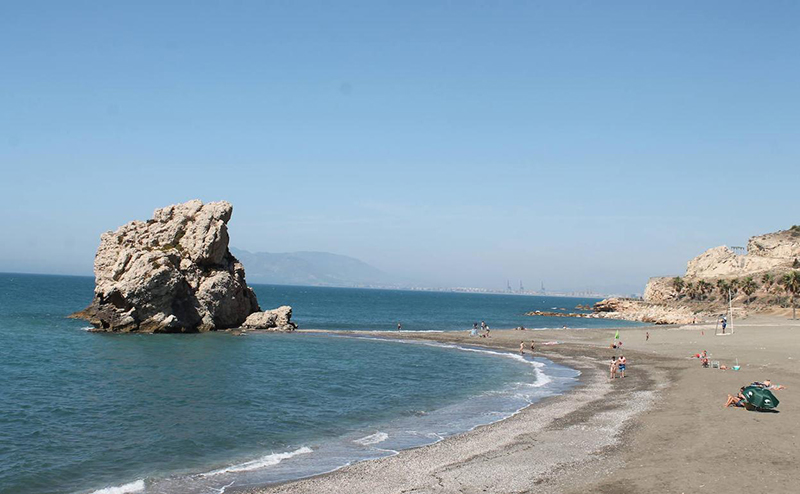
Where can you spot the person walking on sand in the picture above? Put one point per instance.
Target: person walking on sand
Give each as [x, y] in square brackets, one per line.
[522, 348]
[647, 336]
[532, 346]
[621, 364]
[613, 368]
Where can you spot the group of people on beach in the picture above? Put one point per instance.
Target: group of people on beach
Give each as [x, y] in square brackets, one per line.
[483, 332]
[740, 401]
[522, 347]
[617, 367]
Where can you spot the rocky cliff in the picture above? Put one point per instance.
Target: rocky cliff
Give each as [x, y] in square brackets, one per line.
[637, 310]
[172, 273]
[767, 256]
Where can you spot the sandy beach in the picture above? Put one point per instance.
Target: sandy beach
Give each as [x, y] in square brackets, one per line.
[661, 429]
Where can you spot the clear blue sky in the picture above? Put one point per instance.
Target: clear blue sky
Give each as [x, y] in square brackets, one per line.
[585, 144]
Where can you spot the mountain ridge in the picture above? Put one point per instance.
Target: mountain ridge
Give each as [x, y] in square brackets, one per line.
[315, 268]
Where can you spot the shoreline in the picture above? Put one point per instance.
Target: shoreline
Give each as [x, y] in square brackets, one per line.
[661, 429]
[589, 423]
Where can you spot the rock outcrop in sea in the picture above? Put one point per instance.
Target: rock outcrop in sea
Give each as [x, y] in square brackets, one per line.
[174, 274]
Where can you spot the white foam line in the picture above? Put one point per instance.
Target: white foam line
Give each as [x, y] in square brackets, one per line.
[263, 462]
[376, 438]
[541, 378]
[136, 486]
[222, 489]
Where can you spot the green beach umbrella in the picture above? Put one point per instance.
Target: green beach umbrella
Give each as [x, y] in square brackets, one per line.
[616, 336]
[760, 397]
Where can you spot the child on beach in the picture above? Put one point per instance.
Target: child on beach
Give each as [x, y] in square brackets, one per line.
[613, 367]
[532, 346]
[522, 348]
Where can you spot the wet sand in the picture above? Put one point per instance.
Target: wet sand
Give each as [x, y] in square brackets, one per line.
[661, 429]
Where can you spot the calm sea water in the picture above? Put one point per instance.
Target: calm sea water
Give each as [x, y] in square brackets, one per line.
[85, 412]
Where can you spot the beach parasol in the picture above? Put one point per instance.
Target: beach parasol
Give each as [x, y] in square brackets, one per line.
[760, 398]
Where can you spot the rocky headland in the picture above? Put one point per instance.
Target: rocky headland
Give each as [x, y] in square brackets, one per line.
[762, 277]
[175, 274]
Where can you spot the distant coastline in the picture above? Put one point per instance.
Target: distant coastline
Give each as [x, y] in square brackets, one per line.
[476, 290]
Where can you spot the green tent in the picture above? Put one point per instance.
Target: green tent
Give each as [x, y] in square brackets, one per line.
[760, 397]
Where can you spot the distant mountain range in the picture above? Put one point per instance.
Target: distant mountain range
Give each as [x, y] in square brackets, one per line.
[310, 268]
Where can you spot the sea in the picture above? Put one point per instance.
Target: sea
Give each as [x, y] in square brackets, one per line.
[95, 413]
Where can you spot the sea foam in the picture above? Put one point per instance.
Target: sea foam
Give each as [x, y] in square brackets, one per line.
[376, 438]
[136, 486]
[263, 462]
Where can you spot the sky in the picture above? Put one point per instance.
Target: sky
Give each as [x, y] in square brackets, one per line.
[585, 145]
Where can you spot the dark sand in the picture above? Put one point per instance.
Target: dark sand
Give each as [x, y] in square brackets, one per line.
[661, 429]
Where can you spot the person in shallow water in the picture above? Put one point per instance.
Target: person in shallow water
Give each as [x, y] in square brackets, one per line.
[532, 346]
[522, 348]
[399, 327]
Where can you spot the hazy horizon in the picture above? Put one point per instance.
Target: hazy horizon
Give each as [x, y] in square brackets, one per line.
[587, 146]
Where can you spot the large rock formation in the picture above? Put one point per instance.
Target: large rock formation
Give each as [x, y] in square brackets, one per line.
[775, 253]
[173, 273]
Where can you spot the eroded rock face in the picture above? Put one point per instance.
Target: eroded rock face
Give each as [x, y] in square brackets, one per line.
[173, 273]
[634, 310]
[773, 251]
[659, 290]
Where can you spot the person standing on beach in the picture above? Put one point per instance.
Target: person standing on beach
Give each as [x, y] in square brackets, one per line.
[532, 346]
[621, 364]
[647, 336]
[613, 368]
[522, 348]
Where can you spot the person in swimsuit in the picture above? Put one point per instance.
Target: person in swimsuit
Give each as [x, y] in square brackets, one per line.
[532, 346]
[621, 365]
[613, 367]
[522, 348]
[737, 401]
[768, 385]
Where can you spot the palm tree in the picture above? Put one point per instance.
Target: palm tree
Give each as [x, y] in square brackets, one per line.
[677, 284]
[735, 285]
[767, 280]
[749, 286]
[704, 287]
[791, 283]
[723, 286]
[691, 290]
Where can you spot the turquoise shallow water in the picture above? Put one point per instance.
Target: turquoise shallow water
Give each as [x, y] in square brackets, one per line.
[85, 412]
